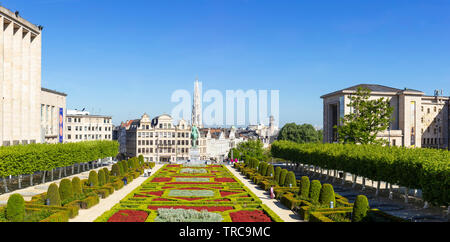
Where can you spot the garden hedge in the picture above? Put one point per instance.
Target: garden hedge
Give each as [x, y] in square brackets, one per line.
[415, 168]
[28, 159]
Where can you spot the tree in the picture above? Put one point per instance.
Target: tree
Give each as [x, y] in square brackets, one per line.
[251, 148]
[369, 117]
[304, 133]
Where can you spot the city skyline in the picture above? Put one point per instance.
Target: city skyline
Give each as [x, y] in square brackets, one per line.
[108, 66]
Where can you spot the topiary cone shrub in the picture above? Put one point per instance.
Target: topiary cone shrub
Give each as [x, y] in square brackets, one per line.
[283, 175]
[93, 179]
[277, 174]
[270, 171]
[314, 192]
[101, 177]
[65, 190]
[53, 195]
[15, 208]
[327, 195]
[264, 169]
[360, 208]
[290, 180]
[106, 175]
[304, 189]
[141, 160]
[115, 170]
[76, 186]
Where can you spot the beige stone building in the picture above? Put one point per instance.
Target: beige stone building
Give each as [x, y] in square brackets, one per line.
[159, 139]
[53, 113]
[20, 79]
[418, 120]
[81, 126]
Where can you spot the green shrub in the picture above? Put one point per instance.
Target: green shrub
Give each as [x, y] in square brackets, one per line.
[270, 172]
[106, 175]
[65, 190]
[264, 169]
[314, 193]
[290, 180]
[115, 170]
[283, 175]
[76, 186]
[93, 179]
[277, 174]
[141, 160]
[327, 195]
[360, 208]
[260, 167]
[53, 195]
[101, 177]
[15, 208]
[304, 189]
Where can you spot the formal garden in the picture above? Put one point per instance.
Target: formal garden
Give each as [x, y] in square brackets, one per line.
[191, 193]
[63, 202]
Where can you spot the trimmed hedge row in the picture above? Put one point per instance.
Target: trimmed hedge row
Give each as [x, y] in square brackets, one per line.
[28, 159]
[425, 169]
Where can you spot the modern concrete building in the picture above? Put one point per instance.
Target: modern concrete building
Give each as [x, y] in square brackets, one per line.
[418, 120]
[53, 114]
[20, 80]
[82, 126]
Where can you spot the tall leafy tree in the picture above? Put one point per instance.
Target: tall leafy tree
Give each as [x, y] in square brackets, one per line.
[304, 133]
[369, 117]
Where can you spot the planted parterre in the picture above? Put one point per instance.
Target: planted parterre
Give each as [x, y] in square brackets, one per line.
[63, 202]
[425, 169]
[210, 194]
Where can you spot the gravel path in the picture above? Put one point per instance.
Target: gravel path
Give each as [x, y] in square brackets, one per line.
[286, 214]
[89, 215]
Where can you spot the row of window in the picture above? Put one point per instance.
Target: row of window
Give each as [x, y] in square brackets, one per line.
[166, 142]
[162, 135]
[88, 128]
[429, 110]
[433, 141]
[89, 137]
[435, 130]
[78, 120]
[161, 150]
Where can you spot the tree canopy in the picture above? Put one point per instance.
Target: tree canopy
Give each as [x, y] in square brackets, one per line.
[304, 133]
[367, 119]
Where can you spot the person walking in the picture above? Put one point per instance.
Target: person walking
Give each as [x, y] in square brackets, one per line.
[272, 194]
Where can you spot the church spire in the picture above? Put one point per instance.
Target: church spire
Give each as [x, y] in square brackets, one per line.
[197, 105]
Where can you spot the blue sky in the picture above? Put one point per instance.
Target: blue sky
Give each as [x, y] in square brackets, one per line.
[124, 58]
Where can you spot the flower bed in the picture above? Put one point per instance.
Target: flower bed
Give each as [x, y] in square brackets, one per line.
[129, 216]
[212, 188]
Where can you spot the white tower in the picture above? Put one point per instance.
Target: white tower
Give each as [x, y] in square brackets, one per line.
[197, 106]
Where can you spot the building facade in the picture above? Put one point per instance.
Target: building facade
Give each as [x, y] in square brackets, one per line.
[53, 114]
[81, 126]
[20, 80]
[418, 120]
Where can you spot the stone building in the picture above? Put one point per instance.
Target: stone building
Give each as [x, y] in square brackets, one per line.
[158, 139]
[20, 80]
[82, 126]
[53, 114]
[418, 120]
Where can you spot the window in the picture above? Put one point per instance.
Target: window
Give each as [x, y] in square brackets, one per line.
[69, 128]
[428, 110]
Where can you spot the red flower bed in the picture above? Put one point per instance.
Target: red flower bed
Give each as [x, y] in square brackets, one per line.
[193, 183]
[137, 195]
[158, 193]
[162, 179]
[173, 166]
[129, 216]
[194, 176]
[193, 188]
[209, 209]
[249, 216]
[225, 193]
[167, 187]
[225, 179]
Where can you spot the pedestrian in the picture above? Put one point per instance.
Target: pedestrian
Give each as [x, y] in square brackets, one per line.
[272, 195]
